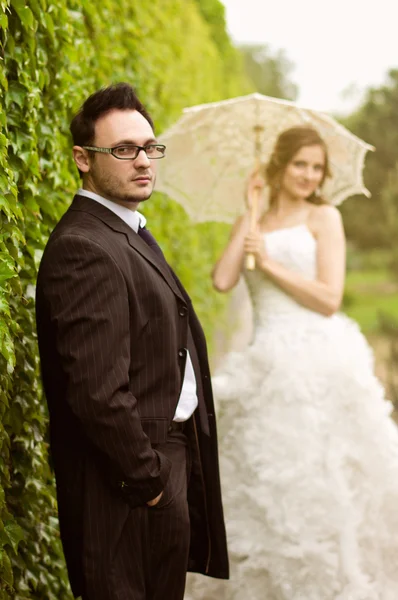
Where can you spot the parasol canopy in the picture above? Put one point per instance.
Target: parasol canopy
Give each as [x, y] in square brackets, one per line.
[213, 147]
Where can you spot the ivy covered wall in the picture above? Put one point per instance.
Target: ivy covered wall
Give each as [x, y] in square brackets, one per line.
[52, 55]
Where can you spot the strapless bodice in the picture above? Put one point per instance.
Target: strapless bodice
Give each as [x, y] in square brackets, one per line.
[294, 248]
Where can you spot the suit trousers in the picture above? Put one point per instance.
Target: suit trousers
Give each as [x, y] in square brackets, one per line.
[151, 557]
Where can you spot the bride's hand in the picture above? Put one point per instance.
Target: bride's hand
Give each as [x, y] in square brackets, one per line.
[255, 185]
[254, 244]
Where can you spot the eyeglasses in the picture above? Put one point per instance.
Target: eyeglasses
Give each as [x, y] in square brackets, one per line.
[130, 151]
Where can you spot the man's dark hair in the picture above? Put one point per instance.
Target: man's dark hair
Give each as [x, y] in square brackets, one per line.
[120, 96]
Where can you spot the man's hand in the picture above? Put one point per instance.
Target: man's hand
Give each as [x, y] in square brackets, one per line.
[155, 500]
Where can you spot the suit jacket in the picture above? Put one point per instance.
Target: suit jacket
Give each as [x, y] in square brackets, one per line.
[113, 325]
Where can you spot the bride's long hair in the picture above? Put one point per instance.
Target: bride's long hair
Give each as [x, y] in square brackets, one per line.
[287, 145]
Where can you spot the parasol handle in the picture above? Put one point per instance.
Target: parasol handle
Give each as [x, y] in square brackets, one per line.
[250, 258]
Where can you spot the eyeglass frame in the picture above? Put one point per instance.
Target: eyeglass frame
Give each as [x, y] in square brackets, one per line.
[139, 148]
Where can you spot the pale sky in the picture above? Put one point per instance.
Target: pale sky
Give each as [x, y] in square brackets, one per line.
[335, 44]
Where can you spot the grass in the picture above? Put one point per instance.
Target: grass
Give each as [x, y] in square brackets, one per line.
[371, 299]
[368, 277]
[370, 293]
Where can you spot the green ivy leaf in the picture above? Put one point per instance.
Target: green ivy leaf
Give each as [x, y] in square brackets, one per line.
[6, 272]
[4, 307]
[50, 25]
[24, 13]
[16, 93]
[14, 533]
[3, 21]
[6, 569]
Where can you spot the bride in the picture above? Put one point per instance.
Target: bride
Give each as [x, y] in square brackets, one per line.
[309, 453]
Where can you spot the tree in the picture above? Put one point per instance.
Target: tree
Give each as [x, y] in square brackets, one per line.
[376, 121]
[389, 210]
[268, 71]
[213, 13]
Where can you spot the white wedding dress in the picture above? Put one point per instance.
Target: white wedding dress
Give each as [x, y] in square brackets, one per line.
[308, 451]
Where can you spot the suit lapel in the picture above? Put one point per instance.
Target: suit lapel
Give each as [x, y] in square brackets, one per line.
[109, 218]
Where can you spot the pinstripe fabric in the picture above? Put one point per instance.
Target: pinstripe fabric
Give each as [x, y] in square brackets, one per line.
[111, 339]
[148, 557]
[150, 240]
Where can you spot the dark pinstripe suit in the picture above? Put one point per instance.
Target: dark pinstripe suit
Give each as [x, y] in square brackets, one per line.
[112, 325]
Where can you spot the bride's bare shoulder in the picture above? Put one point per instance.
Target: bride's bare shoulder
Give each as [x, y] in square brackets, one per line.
[325, 216]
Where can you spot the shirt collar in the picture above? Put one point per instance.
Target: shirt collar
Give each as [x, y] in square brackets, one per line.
[133, 218]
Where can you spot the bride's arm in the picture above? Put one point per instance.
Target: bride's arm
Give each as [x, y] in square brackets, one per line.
[325, 293]
[227, 270]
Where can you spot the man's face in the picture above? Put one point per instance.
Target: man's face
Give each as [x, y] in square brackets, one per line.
[127, 182]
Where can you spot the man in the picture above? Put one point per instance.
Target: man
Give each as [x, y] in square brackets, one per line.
[126, 377]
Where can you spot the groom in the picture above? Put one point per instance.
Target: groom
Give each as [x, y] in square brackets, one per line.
[126, 376]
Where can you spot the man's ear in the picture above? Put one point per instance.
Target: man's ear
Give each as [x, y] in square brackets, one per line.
[81, 158]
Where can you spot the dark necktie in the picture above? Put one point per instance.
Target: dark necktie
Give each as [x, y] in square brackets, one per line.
[148, 238]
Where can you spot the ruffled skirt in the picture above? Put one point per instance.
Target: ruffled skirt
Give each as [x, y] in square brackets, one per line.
[309, 468]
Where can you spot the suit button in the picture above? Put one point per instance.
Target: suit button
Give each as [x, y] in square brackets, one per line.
[183, 311]
[182, 352]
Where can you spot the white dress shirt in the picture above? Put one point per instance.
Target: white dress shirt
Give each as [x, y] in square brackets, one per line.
[188, 400]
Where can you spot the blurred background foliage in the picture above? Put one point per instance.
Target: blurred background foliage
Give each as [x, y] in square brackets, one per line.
[372, 226]
[269, 72]
[367, 220]
[176, 53]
